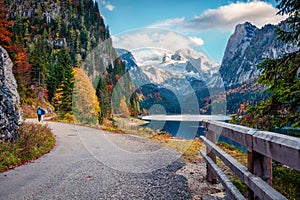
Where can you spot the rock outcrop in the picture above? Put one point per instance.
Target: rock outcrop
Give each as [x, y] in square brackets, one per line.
[247, 48]
[9, 98]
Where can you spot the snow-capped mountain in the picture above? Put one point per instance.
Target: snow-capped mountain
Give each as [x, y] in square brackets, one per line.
[173, 76]
[169, 70]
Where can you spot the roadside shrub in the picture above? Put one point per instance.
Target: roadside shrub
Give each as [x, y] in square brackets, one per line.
[33, 141]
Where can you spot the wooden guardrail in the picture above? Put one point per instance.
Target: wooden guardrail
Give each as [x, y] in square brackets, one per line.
[262, 148]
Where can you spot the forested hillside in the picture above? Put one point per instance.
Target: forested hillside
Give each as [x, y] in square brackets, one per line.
[47, 39]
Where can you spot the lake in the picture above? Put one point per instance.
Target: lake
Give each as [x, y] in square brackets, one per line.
[186, 127]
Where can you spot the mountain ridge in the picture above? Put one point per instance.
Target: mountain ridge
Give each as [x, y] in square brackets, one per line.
[247, 47]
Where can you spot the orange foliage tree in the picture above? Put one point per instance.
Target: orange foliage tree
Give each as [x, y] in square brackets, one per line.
[22, 69]
[6, 33]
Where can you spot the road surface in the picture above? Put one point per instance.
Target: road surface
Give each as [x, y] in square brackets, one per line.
[92, 164]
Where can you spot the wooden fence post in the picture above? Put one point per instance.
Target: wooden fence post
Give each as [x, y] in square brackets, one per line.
[210, 135]
[261, 166]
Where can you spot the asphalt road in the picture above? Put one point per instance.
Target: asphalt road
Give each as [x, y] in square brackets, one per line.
[92, 164]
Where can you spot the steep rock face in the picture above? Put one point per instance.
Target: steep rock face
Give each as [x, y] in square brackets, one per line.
[9, 98]
[247, 48]
[239, 41]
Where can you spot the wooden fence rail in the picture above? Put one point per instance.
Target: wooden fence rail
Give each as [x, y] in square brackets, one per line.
[262, 148]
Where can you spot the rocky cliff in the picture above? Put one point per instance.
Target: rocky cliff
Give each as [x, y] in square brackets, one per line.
[9, 98]
[247, 48]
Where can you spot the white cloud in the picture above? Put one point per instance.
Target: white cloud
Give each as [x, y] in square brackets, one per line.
[155, 38]
[227, 17]
[168, 23]
[198, 41]
[108, 5]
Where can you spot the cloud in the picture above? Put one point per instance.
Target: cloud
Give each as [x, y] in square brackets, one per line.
[168, 23]
[108, 5]
[155, 38]
[198, 41]
[149, 41]
[227, 17]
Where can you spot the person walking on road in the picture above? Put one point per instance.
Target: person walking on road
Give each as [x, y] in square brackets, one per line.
[40, 112]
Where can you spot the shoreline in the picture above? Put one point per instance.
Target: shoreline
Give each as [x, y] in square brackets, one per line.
[185, 117]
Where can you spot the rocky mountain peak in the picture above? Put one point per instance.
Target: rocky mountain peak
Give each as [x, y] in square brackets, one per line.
[186, 54]
[239, 40]
[247, 48]
[166, 58]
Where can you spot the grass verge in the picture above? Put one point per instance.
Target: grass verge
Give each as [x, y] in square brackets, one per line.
[34, 140]
[189, 149]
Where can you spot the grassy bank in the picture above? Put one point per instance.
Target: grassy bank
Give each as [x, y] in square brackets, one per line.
[33, 141]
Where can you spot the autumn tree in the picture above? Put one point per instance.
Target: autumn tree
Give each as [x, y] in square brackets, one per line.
[22, 71]
[86, 107]
[6, 33]
[22, 67]
[281, 76]
[124, 108]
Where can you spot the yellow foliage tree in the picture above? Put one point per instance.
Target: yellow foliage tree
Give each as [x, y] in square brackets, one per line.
[124, 108]
[86, 107]
[57, 99]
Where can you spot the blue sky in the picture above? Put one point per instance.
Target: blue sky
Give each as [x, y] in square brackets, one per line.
[206, 23]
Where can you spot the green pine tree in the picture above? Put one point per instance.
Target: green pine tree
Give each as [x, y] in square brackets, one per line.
[61, 82]
[38, 61]
[103, 95]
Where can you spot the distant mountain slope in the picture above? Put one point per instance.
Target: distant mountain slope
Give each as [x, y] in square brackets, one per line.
[248, 47]
[137, 75]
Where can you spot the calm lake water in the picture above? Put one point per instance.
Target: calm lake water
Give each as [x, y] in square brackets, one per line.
[186, 130]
